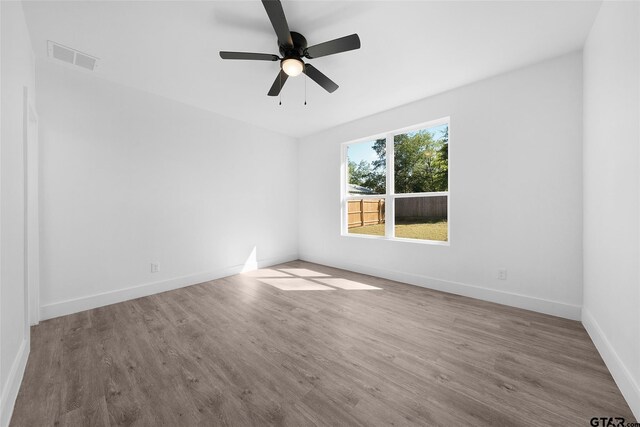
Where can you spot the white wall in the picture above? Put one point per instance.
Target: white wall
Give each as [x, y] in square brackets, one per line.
[17, 71]
[129, 178]
[515, 192]
[612, 192]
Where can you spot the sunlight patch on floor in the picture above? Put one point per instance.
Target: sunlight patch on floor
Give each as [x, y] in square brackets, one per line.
[304, 279]
[266, 272]
[296, 284]
[303, 272]
[347, 284]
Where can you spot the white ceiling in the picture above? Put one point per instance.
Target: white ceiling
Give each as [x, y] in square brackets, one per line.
[410, 50]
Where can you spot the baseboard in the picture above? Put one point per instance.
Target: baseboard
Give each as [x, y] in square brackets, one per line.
[11, 388]
[621, 375]
[89, 302]
[554, 308]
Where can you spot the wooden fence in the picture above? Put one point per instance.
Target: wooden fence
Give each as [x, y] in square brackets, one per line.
[422, 207]
[366, 212]
[371, 211]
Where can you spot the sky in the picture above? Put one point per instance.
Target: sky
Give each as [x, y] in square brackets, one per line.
[364, 150]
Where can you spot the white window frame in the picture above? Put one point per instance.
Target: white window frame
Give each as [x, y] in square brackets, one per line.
[390, 196]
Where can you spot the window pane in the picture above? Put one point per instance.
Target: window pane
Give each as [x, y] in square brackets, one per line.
[366, 216]
[423, 218]
[421, 160]
[367, 167]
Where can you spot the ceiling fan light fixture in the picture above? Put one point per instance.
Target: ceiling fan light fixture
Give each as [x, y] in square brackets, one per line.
[292, 66]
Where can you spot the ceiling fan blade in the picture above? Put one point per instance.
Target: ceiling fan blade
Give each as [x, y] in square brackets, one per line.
[324, 81]
[278, 83]
[279, 21]
[343, 44]
[249, 56]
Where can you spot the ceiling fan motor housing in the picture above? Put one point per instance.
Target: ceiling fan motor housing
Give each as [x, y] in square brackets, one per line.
[298, 48]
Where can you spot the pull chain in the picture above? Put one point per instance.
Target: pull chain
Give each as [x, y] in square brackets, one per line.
[305, 88]
[280, 93]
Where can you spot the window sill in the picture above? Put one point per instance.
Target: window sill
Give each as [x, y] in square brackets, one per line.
[397, 239]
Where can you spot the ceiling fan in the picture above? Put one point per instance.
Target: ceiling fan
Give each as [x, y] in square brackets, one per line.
[293, 47]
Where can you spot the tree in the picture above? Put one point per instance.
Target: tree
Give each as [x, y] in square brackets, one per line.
[370, 175]
[441, 163]
[421, 164]
[358, 172]
[378, 176]
[420, 161]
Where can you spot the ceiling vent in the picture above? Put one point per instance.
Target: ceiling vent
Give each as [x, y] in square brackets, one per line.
[71, 56]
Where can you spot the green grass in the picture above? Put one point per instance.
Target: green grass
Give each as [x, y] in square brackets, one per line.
[418, 229]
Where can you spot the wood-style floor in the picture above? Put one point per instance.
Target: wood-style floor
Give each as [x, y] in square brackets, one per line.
[240, 351]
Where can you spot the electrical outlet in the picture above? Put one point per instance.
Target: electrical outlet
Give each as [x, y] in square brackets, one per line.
[502, 274]
[155, 267]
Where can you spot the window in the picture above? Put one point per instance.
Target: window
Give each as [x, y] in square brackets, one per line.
[396, 186]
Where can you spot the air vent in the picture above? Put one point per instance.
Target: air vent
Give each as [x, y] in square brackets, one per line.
[71, 56]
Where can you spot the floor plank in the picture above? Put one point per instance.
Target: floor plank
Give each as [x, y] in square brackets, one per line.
[282, 346]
